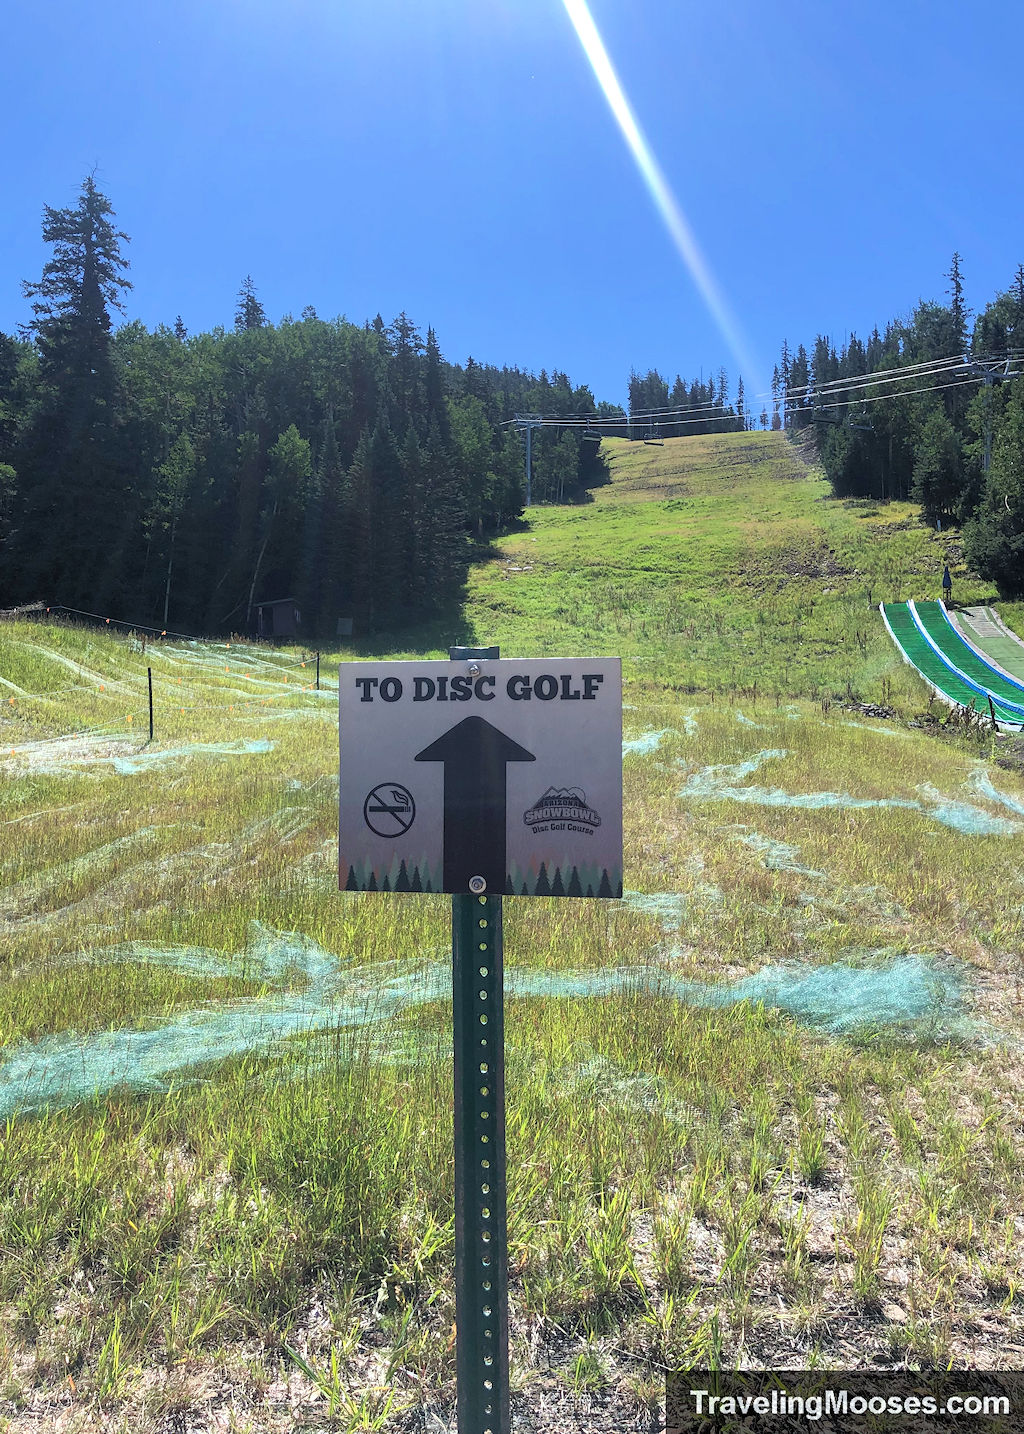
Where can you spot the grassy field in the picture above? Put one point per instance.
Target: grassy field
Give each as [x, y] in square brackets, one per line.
[793, 1136]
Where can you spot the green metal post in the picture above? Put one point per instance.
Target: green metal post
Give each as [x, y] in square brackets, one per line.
[481, 1240]
[481, 1235]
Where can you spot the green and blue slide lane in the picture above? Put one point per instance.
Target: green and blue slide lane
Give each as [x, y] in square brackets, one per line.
[956, 684]
[976, 672]
[985, 632]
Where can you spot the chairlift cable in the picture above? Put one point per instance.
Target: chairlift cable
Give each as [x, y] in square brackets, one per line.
[913, 369]
[906, 370]
[922, 370]
[867, 380]
[800, 399]
[880, 397]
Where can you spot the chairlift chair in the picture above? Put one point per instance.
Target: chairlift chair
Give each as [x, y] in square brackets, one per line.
[840, 423]
[653, 436]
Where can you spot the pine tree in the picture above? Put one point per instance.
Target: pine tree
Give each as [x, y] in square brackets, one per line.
[290, 467]
[994, 539]
[328, 604]
[437, 408]
[784, 361]
[799, 378]
[410, 403]
[1016, 333]
[76, 511]
[958, 306]
[176, 475]
[938, 470]
[249, 313]
[84, 276]
[14, 366]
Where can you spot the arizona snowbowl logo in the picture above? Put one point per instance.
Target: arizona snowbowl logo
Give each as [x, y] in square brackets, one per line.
[562, 809]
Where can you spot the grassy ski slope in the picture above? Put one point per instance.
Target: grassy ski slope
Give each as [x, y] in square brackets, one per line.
[767, 1108]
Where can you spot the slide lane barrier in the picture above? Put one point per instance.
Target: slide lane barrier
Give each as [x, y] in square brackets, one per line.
[984, 630]
[940, 676]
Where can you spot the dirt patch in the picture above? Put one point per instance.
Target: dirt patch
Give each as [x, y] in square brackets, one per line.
[1011, 754]
[884, 530]
[812, 563]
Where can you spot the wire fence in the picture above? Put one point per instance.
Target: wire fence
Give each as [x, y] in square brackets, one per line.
[288, 677]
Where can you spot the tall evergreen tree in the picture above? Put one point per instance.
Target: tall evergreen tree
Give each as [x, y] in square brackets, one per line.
[249, 312]
[76, 508]
[776, 392]
[938, 470]
[785, 358]
[437, 408]
[958, 306]
[186, 477]
[994, 539]
[177, 475]
[799, 378]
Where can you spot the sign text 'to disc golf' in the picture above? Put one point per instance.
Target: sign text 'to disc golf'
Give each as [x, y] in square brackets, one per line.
[495, 769]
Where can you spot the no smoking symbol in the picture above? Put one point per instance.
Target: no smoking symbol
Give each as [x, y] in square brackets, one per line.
[389, 809]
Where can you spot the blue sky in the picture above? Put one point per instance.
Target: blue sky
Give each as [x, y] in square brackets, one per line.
[458, 160]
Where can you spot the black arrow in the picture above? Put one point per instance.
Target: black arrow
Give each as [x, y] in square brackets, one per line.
[474, 754]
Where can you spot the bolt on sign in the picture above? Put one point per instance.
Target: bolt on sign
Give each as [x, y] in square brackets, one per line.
[496, 776]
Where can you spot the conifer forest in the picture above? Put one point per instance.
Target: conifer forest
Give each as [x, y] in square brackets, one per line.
[181, 479]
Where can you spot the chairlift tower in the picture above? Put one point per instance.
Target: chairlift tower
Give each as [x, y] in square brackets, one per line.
[988, 376]
[527, 422]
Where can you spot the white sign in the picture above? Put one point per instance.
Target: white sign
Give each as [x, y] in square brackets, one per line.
[484, 770]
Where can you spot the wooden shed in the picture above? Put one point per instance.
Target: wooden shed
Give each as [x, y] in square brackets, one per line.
[280, 618]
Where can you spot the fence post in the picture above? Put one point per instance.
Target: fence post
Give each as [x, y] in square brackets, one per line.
[149, 673]
[318, 672]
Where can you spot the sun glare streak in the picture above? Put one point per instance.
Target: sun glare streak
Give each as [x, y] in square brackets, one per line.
[675, 220]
